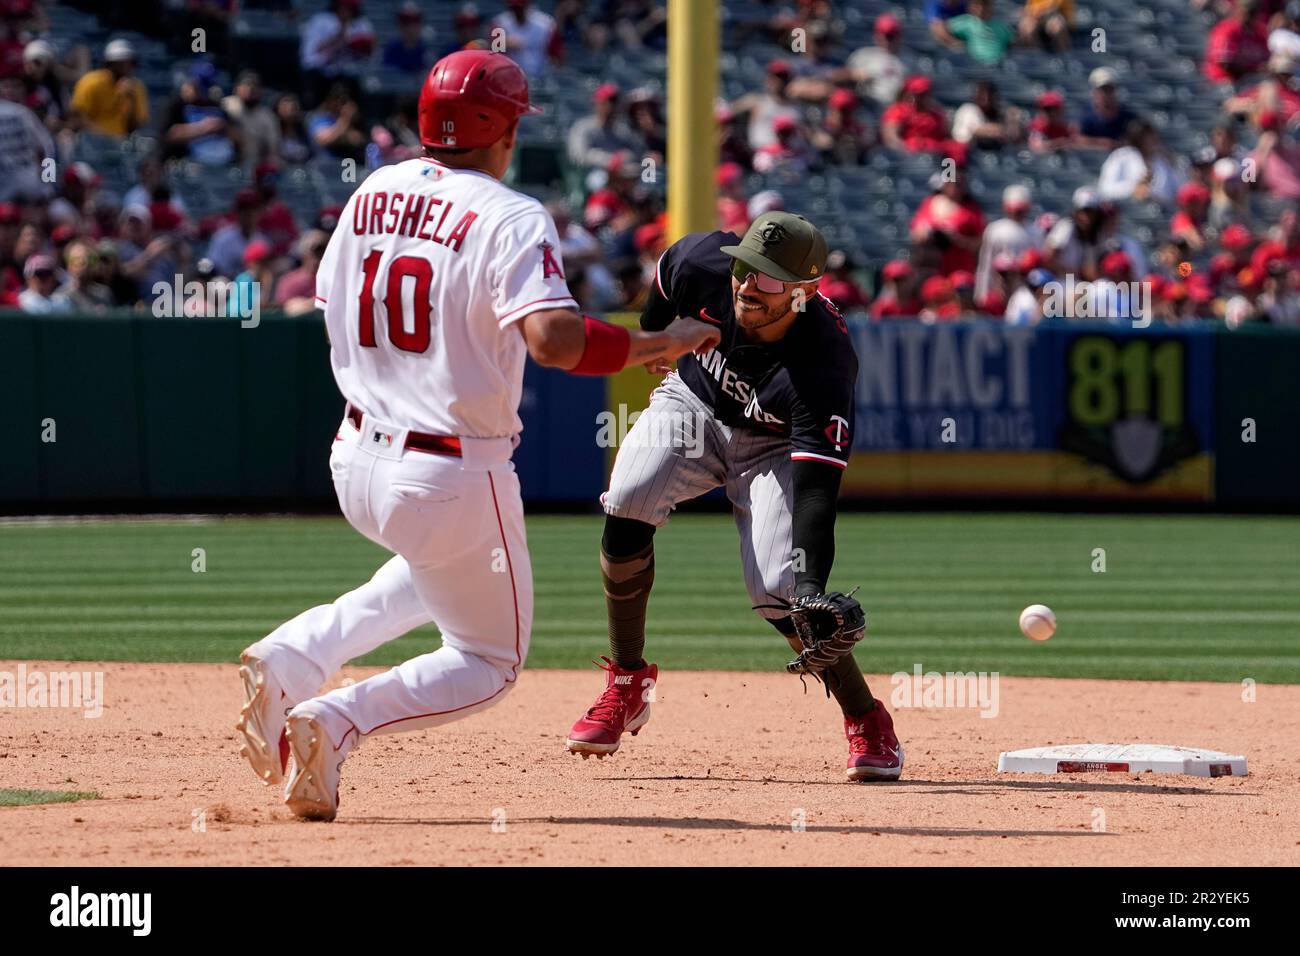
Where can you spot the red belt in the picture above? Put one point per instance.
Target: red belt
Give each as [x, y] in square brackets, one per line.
[417, 441]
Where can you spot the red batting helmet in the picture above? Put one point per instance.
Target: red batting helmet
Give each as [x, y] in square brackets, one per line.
[470, 99]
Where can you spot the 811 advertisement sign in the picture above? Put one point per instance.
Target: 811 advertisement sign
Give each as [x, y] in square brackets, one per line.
[1138, 404]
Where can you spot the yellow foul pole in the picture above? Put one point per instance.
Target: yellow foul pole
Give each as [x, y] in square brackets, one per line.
[692, 137]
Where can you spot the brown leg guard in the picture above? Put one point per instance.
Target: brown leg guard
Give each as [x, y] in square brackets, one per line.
[627, 592]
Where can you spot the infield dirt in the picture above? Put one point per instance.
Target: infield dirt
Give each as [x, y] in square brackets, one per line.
[734, 768]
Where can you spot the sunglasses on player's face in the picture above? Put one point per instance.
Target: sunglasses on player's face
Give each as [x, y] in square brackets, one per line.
[764, 283]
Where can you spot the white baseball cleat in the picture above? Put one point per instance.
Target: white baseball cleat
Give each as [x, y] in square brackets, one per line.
[311, 789]
[261, 720]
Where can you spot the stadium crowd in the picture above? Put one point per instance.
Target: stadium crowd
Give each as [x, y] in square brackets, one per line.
[70, 245]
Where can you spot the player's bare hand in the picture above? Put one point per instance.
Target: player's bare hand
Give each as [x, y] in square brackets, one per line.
[659, 366]
[691, 335]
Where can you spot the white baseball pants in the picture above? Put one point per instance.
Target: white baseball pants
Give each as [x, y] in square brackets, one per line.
[456, 528]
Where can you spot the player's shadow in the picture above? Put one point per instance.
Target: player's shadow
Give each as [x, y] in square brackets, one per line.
[963, 787]
[707, 823]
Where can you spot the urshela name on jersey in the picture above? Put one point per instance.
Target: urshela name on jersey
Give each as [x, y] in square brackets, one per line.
[411, 214]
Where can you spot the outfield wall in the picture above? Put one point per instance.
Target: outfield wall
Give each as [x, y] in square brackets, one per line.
[164, 413]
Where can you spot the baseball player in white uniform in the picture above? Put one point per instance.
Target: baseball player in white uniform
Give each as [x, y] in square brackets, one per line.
[436, 282]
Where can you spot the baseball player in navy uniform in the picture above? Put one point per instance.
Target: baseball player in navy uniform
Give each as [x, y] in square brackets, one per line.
[767, 415]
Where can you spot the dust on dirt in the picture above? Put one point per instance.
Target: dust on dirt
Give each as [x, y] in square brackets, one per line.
[734, 768]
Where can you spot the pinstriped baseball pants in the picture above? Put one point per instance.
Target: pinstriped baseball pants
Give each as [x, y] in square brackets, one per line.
[677, 451]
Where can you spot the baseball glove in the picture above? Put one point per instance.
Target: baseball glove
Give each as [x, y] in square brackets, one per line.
[828, 626]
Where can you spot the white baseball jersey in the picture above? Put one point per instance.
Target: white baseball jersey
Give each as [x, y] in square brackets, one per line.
[427, 270]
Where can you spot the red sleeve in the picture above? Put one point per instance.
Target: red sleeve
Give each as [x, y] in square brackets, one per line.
[922, 216]
[1218, 49]
[995, 304]
[1266, 252]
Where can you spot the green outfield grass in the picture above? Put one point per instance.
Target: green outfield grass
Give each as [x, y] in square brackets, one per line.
[1182, 598]
[10, 797]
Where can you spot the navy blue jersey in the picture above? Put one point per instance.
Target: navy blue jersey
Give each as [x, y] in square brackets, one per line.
[800, 387]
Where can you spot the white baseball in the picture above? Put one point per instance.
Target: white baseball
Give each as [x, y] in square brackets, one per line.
[1037, 622]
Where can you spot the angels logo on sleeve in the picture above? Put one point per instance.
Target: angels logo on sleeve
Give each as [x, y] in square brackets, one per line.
[837, 432]
[550, 265]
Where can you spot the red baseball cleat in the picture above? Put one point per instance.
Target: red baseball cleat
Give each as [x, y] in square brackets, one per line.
[624, 705]
[874, 750]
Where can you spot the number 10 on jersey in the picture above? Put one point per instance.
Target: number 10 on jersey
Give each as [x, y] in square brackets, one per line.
[415, 340]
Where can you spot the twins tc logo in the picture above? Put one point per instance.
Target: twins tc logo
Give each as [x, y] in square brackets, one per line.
[772, 234]
[838, 432]
[550, 265]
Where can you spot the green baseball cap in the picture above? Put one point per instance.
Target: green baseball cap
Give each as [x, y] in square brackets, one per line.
[784, 246]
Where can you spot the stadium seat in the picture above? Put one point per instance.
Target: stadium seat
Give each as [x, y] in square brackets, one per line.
[1155, 47]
